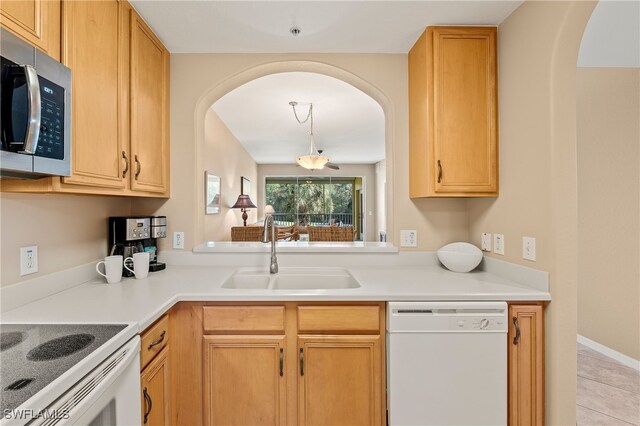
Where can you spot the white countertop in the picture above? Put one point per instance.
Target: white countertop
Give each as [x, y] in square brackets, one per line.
[143, 301]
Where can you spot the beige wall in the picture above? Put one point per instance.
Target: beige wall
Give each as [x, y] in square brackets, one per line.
[198, 80]
[367, 171]
[381, 200]
[69, 230]
[537, 54]
[608, 110]
[225, 157]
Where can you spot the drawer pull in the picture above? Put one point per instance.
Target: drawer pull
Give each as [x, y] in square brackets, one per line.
[158, 341]
[148, 405]
[281, 362]
[517, 336]
[302, 361]
[439, 171]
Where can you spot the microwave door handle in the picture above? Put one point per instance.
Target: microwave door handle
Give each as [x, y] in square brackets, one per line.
[35, 108]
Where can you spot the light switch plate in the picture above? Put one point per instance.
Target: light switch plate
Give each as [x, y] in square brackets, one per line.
[529, 248]
[408, 238]
[498, 244]
[28, 260]
[486, 241]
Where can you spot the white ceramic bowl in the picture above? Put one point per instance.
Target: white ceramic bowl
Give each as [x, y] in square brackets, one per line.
[460, 257]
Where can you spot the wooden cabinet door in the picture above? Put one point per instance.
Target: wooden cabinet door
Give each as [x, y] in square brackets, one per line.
[244, 380]
[149, 109]
[154, 385]
[464, 109]
[36, 21]
[453, 113]
[92, 51]
[339, 380]
[526, 365]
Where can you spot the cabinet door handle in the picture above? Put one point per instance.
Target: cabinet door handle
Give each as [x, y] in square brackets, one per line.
[516, 338]
[148, 404]
[138, 166]
[281, 362]
[126, 164]
[301, 361]
[439, 171]
[158, 341]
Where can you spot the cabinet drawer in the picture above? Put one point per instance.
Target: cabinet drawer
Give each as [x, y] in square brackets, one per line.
[243, 318]
[338, 318]
[153, 340]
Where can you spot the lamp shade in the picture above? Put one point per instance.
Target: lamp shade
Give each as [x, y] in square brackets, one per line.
[244, 202]
[312, 162]
[269, 209]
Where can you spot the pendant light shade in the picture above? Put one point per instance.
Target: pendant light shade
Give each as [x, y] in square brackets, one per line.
[312, 162]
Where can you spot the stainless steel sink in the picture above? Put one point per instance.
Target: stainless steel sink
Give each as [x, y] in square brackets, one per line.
[292, 279]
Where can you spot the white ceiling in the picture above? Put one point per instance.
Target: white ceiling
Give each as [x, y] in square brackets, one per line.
[612, 36]
[327, 26]
[348, 124]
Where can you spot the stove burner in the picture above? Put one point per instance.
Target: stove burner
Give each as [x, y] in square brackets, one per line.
[9, 339]
[62, 346]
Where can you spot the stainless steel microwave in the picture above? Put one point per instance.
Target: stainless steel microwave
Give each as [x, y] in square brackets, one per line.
[35, 111]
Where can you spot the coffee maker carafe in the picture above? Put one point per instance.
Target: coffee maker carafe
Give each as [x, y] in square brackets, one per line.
[127, 236]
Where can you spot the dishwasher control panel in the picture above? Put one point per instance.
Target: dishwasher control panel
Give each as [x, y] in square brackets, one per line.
[477, 323]
[437, 317]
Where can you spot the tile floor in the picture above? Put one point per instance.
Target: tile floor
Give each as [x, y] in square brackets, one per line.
[608, 392]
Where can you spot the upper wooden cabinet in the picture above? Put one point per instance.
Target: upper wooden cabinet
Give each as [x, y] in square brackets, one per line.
[120, 105]
[149, 109]
[36, 21]
[453, 116]
[93, 51]
[526, 365]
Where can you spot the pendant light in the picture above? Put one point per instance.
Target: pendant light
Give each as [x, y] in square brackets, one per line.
[315, 160]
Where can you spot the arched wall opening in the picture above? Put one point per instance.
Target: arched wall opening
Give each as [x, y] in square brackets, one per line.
[205, 102]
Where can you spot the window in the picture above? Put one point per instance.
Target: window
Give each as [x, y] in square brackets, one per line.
[314, 201]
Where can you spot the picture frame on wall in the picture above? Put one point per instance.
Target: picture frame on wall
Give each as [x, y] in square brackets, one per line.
[245, 186]
[212, 193]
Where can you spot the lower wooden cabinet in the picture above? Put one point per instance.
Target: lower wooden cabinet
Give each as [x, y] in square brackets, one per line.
[339, 380]
[244, 380]
[526, 364]
[154, 385]
[288, 363]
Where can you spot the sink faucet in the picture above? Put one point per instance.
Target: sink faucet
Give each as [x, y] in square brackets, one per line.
[268, 220]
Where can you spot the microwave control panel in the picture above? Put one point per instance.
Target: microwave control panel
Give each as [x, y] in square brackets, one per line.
[51, 139]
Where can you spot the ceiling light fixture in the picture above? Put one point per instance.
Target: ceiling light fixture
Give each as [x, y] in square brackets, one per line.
[313, 161]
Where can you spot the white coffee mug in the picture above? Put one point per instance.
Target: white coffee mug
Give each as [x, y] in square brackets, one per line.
[140, 264]
[112, 268]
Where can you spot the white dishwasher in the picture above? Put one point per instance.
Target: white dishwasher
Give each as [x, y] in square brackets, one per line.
[447, 363]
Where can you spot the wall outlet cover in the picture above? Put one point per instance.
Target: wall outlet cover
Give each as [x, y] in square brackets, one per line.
[529, 248]
[178, 240]
[486, 241]
[28, 260]
[498, 244]
[408, 238]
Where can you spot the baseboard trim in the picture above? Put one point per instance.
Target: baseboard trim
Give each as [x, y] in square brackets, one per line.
[611, 353]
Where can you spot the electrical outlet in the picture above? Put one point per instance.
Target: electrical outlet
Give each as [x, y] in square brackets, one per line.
[408, 238]
[498, 244]
[28, 260]
[529, 248]
[178, 240]
[486, 241]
